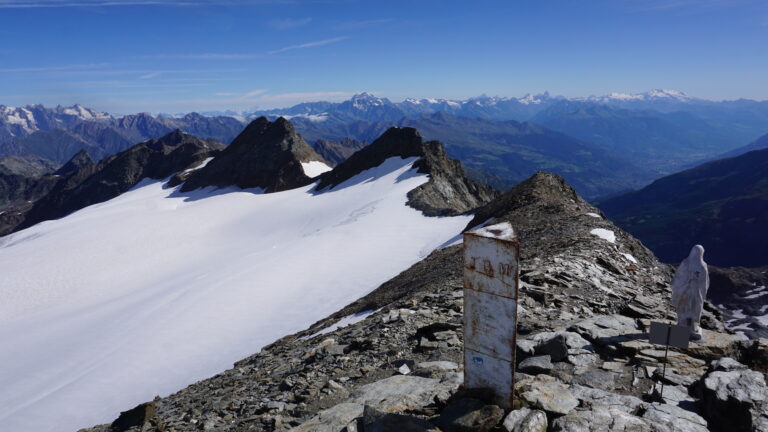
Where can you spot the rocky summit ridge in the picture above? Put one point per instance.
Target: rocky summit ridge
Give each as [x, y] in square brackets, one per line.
[266, 155]
[82, 183]
[588, 293]
[448, 192]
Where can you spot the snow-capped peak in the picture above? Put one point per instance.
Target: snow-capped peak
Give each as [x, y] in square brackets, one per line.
[655, 94]
[364, 100]
[82, 112]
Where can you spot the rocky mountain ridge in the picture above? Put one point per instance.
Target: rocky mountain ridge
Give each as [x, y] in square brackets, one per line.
[82, 182]
[448, 192]
[267, 155]
[588, 292]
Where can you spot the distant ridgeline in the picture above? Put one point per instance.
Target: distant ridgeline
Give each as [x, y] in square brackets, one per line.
[601, 145]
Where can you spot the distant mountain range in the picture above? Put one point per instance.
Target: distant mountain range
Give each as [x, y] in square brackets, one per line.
[504, 153]
[603, 145]
[722, 205]
[58, 133]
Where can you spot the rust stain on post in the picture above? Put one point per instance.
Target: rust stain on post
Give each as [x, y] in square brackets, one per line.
[491, 281]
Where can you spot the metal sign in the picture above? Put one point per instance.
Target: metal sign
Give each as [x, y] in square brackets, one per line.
[491, 280]
[669, 334]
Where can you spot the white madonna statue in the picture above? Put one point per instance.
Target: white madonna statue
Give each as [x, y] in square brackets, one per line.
[689, 289]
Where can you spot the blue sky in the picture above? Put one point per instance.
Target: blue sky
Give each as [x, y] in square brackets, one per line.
[183, 55]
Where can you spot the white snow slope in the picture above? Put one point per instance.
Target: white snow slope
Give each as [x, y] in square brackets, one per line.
[151, 291]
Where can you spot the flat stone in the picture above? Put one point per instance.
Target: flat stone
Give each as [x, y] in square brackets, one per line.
[547, 393]
[602, 328]
[626, 403]
[600, 418]
[678, 395]
[526, 420]
[670, 418]
[596, 378]
[333, 419]
[469, 415]
[536, 365]
[613, 366]
[436, 366]
[726, 364]
[556, 344]
[714, 346]
[399, 393]
[682, 363]
[376, 421]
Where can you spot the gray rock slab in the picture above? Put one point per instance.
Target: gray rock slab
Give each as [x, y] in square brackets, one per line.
[547, 393]
[536, 365]
[526, 420]
[593, 396]
[600, 419]
[670, 418]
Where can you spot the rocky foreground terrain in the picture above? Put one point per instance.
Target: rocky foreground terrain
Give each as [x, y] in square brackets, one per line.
[588, 294]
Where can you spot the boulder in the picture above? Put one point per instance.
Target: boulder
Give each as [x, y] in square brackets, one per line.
[599, 419]
[333, 419]
[600, 329]
[469, 415]
[399, 393]
[670, 418]
[526, 420]
[547, 393]
[536, 365]
[734, 400]
[592, 396]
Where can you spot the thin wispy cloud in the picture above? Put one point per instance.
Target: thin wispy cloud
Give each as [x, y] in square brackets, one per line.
[150, 75]
[318, 43]
[289, 23]
[207, 56]
[256, 99]
[685, 5]
[55, 68]
[64, 4]
[30, 4]
[362, 24]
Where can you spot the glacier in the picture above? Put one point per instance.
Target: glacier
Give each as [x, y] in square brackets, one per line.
[155, 289]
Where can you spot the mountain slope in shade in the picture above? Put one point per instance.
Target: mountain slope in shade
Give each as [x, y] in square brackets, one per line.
[24, 178]
[267, 155]
[722, 205]
[98, 328]
[335, 152]
[758, 144]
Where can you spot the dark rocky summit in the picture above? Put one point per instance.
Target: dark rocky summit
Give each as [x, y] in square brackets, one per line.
[95, 183]
[585, 308]
[79, 161]
[448, 192]
[266, 155]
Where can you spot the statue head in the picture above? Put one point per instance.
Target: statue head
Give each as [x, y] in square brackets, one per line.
[697, 253]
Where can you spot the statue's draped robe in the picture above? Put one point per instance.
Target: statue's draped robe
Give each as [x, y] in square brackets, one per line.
[689, 289]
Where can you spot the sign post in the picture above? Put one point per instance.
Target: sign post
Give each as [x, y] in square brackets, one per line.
[668, 335]
[491, 281]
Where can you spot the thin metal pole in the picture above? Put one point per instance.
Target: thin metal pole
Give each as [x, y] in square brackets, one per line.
[664, 368]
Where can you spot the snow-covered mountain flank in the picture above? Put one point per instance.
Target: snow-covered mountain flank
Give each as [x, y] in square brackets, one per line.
[156, 287]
